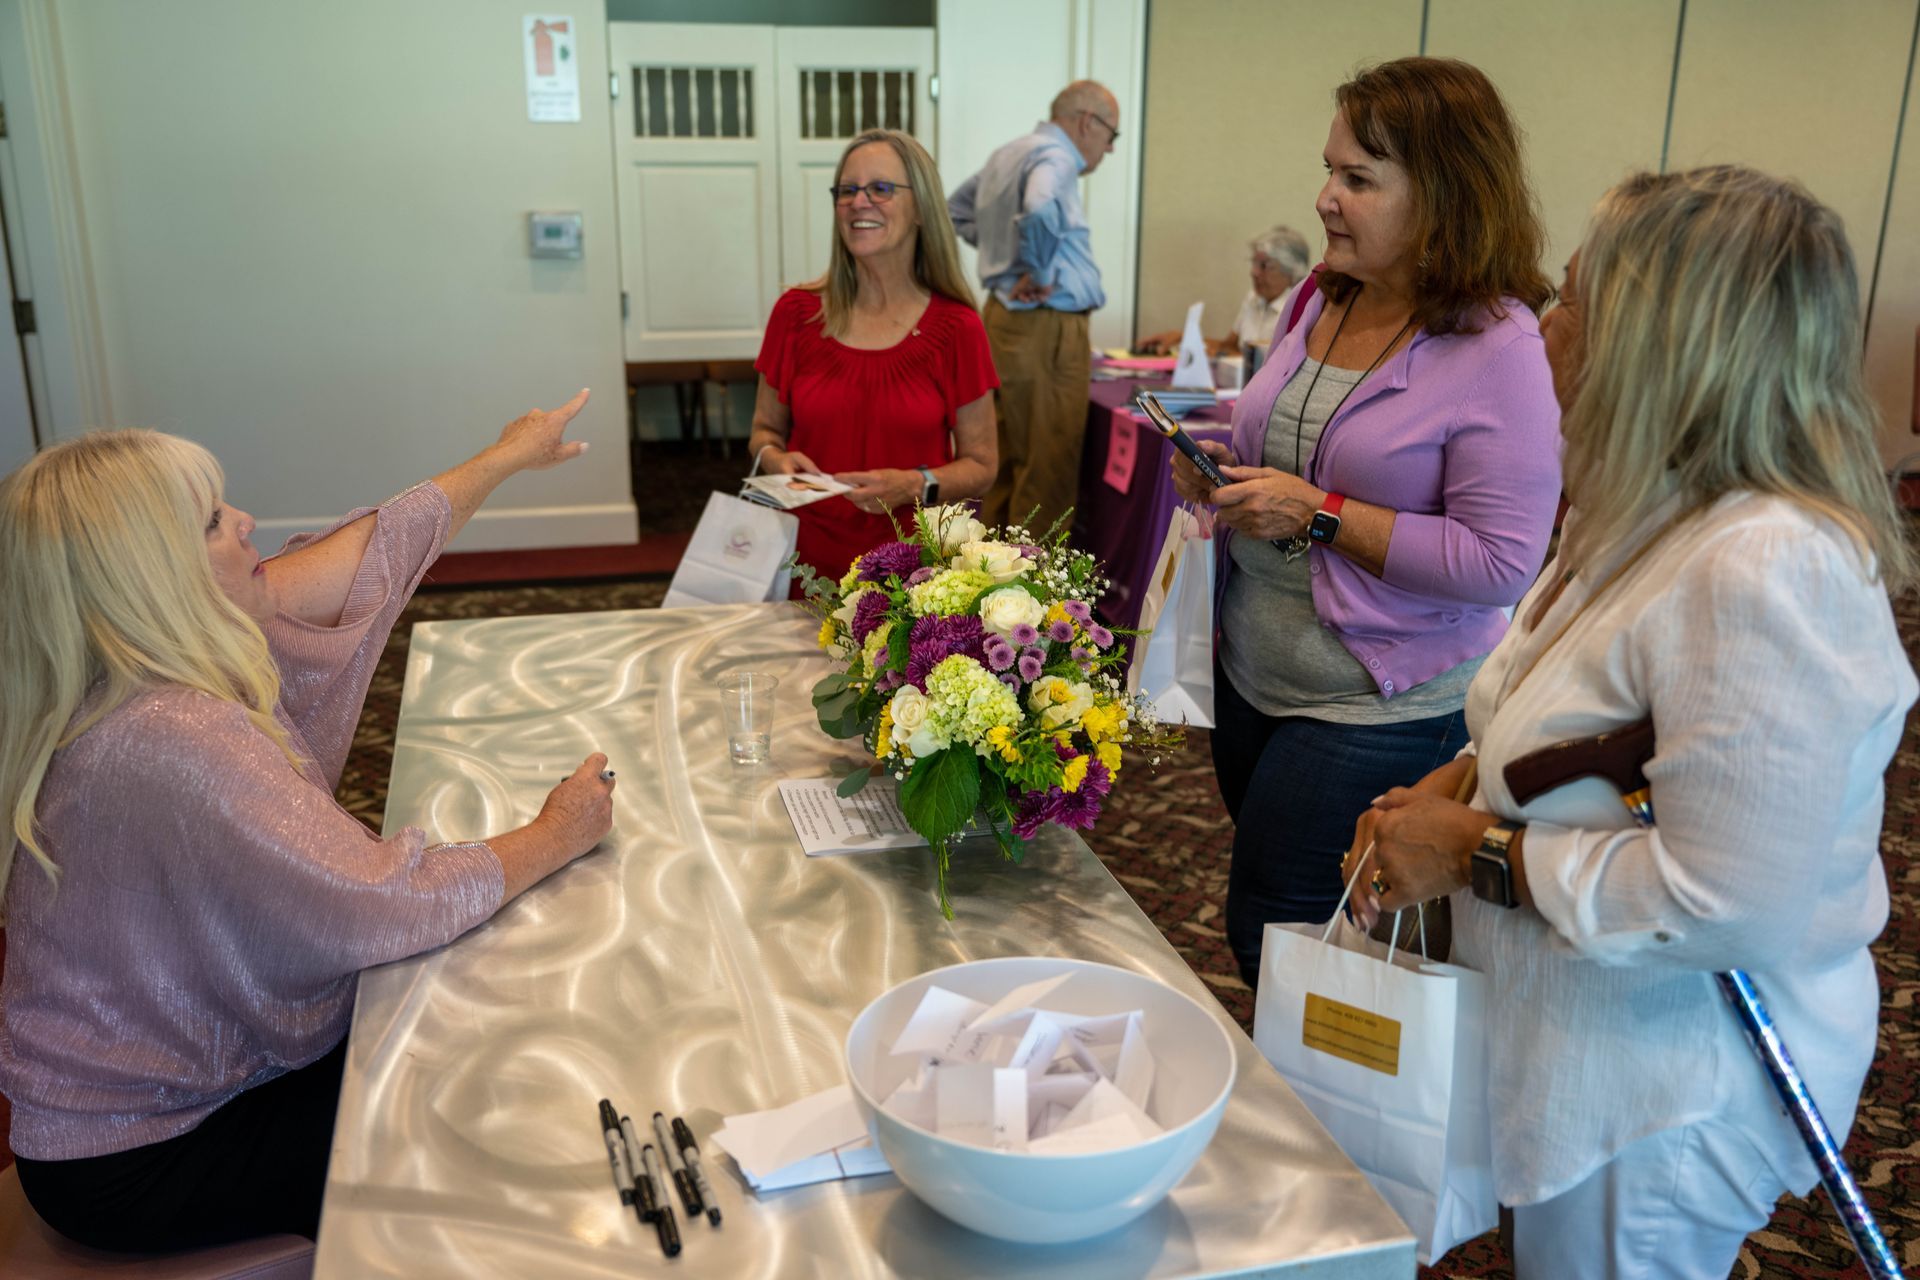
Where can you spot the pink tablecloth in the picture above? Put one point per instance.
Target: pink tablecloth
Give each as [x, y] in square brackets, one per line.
[1126, 491]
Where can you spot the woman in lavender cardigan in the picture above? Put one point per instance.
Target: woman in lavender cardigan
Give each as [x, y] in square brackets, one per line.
[1395, 474]
[183, 941]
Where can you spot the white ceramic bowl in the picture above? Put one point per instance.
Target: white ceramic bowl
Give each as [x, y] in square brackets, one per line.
[1050, 1199]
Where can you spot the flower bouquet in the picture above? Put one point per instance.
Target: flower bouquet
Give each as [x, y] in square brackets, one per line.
[976, 675]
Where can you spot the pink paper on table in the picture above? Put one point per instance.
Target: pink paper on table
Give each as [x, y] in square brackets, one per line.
[1151, 364]
[1123, 446]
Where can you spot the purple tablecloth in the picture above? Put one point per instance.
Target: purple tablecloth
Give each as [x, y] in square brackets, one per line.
[1124, 529]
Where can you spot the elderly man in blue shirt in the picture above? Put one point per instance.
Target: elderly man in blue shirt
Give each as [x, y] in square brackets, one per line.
[1023, 212]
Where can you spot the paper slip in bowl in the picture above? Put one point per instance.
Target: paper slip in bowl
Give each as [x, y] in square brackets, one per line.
[1068, 1192]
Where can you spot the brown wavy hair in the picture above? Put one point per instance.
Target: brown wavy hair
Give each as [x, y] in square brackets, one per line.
[1477, 226]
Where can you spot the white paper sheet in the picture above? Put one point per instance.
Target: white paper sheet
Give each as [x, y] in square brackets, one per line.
[1016, 1076]
[1194, 368]
[816, 1139]
[868, 821]
[790, 491]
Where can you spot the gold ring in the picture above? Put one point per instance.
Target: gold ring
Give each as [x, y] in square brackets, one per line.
[1379, 884]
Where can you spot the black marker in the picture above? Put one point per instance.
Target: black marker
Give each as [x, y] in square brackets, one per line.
[690, 1152]
[682, 1181]
[663, 1212]
[616, 1152]
[632, 1148]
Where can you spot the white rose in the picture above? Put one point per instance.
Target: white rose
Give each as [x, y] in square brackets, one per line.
[909, 711]
[926, 741]
[953, 525]
[1003, 610]
[998, 560]
[1058, 702]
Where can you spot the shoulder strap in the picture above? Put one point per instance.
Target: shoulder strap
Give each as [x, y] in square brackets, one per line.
[1300, 297]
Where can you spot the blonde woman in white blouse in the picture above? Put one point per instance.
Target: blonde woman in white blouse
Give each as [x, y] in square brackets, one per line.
[1726, 569]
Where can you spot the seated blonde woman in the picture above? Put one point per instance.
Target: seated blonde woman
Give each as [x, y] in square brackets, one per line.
[186, 907]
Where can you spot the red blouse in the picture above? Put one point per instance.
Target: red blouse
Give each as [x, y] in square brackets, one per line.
[858, 410]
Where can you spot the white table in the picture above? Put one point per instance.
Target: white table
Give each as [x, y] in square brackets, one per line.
[699, 964]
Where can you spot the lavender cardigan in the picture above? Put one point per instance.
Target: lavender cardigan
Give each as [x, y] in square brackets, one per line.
[1460, 435]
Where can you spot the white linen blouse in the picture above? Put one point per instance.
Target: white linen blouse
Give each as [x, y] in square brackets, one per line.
[1766, 652]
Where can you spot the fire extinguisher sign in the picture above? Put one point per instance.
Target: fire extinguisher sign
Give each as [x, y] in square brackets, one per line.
[553, 70]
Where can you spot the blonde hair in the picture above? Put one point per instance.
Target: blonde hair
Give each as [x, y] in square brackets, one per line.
[105, 580]
[1723, 352]
[936, 253]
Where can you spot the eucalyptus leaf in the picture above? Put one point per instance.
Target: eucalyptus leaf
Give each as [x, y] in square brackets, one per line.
[853, 782]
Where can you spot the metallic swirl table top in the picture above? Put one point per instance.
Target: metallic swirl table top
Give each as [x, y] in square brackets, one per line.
[700, 965]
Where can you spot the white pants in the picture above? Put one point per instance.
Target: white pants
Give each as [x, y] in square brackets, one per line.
[1674, 1206]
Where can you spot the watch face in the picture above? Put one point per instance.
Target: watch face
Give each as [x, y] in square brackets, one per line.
[1323, 527]
[1491, 880]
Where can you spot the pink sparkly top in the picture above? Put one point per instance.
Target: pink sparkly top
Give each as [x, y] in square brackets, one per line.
[214, 905]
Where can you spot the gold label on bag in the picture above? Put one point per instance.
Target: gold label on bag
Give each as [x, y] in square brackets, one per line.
[1362, 1038]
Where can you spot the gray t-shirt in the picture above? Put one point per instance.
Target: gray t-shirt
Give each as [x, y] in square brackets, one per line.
[1279, 654]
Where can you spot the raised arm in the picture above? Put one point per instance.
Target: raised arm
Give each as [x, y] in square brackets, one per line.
[312, 582]
[960, 207]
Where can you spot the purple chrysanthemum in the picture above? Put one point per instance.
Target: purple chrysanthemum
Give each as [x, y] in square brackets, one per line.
[1000, 654]
[889, 559]
[1077, 610]
[919, 576]
[1029, 668]
[1030, 551]
[1061, 631]
[1010, 680]
[1100, 636]
[868, 614]
[889, 681]
[1079, 654]
[936, 637]
[1023, 634]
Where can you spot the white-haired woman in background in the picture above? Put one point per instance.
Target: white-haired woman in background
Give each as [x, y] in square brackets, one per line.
[186, 906]
[1280, 259]
[879, 372]
[1725, 570]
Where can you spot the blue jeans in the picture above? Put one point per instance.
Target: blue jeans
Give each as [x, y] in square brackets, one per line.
[1294, 788]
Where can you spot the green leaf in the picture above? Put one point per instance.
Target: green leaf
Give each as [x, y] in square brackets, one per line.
[840, 714]
[897, 647]
[851, 784]
[941, 792]
[828, 685]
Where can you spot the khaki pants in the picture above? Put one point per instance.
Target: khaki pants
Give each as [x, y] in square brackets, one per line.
[1044, 361]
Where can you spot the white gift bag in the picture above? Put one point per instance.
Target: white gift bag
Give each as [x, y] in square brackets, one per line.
[1173, 663]
[1388, 1051]
[738, 555]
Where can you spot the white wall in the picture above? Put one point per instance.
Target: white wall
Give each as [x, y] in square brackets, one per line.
[307, 236]
[1240, 93]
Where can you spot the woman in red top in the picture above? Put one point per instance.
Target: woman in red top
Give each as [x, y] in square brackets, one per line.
[878, 373]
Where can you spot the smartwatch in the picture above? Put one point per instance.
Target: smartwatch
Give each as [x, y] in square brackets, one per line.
[1325, 525]
[930, 488]
[1491, 872]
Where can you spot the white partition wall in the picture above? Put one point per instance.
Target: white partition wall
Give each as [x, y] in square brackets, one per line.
[995, 85]
[1587, 84]
[303, 230]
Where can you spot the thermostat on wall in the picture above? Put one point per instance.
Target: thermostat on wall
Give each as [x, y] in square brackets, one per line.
[553, 235]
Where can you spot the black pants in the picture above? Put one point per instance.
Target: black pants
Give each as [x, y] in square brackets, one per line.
[255, 1167]
[1294, 788]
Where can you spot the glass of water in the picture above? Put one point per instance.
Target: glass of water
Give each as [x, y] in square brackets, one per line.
[746, 709]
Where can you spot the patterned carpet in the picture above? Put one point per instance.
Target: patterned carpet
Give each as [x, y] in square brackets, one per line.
[1168, 844]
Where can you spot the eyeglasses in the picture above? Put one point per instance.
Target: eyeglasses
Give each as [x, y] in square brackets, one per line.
[878, 192]
[1111, 128]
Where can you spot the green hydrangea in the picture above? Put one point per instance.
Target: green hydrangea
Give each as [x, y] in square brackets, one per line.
[851, 576]
[948, 592]
[873, 651]
[966, 700]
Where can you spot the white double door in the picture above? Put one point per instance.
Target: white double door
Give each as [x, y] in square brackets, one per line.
[725, 141]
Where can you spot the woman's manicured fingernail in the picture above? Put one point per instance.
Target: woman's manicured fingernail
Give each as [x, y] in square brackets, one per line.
[1376, 800]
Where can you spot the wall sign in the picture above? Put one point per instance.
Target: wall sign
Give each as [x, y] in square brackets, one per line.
[553, 71]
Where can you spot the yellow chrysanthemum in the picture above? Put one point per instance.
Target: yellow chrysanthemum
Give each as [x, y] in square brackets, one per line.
[1057, 613]
[1075, 773]
[1000, 738]
[1100, 723]
[825, 639]
[883, 733]
[1109, 755]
